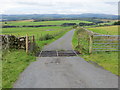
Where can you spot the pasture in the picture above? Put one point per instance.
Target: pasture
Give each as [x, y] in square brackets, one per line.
[33, 31]
[38, 32]
[25, 22]
[107, 30]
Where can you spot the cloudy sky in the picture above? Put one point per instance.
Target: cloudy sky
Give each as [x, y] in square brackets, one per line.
[58, 6]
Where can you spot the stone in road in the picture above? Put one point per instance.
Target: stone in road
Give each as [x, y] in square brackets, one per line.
[65, 72]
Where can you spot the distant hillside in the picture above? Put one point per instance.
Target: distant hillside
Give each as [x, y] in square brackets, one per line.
[56, 16]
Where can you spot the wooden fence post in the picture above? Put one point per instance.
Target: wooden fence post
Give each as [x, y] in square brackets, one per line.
[90, 43]
[26, 43]
[33, 43]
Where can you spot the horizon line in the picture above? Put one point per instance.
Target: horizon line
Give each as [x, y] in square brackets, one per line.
[57, 14]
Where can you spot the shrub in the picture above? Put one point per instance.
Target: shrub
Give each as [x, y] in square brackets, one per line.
[46, 37]
[117, 23]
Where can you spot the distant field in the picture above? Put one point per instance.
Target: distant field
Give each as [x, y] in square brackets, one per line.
[33, 31]
[38, 32]
[109, 20]
[25, 22]
[108, 30]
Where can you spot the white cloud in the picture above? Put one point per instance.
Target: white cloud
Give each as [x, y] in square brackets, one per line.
[59, 6]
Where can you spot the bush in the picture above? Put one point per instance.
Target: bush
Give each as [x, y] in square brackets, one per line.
[117, 23]
[68, 24]
[46, 37]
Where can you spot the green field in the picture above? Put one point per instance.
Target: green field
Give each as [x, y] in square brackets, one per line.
[20, 23]
[38, 32]
[107, 30]
[108, 60]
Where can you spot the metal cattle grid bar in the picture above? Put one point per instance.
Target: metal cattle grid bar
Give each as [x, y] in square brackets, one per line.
[58, 53]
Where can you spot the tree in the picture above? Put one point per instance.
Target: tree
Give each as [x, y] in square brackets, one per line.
[117, 23]
[69, 24]
[5, 22]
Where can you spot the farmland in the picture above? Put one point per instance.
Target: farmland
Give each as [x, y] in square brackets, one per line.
[33, 31]
[107, 30]
[20, 23]
[38, 33]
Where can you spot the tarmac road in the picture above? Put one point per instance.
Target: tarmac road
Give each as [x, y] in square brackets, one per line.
[65, 72]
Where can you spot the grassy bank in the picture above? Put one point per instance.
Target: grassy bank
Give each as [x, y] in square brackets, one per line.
[108, 60]
[13, 63]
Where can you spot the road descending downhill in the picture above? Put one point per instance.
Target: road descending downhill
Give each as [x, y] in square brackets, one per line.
[65, 72]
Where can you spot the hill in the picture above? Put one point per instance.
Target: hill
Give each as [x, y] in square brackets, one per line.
[56, 16]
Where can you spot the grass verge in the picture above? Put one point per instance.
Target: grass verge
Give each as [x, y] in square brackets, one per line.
[13, 63]
[108, 60]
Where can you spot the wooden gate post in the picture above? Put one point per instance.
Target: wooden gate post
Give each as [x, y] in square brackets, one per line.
[90, 43]
[26, 43]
